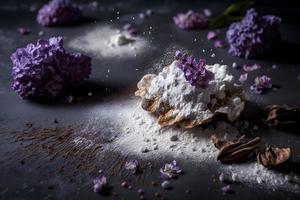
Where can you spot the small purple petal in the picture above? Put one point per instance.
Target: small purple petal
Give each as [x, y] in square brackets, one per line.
[227, 189]
[243, 77]
[24, 31]
[132, 166]
[207, 12]
[211, 35]
[219, 44]
[250, 68]
[140, 191]
[170, 170]
[99, 183]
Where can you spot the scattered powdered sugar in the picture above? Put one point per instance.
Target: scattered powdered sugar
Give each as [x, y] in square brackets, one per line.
[142, 135]
[105, 41]
[258, 175]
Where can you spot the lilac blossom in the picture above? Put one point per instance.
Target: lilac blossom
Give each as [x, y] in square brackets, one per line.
[250, 68]
[132, 166]
[261, 83]
[190, 20]
[58, 13]
[254, 35]
[194, 71]
[243, 77]
[42, 70]
[170, 170]
[99, 183]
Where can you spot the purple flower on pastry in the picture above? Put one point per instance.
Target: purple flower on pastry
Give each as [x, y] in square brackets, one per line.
[132, 166]
[190, 20]
[42, 70]
[99, 183]
[254, 35]
[170, 170]
[58, 13]
[261, 83]
[194, 71]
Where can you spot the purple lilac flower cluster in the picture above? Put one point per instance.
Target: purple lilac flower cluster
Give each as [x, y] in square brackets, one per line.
[99, 183]
[58, 13]
[42, 70]
[194, 71]
[253, 35]
[132, 166]
[261, 83]
[190, 20]
[170, 170]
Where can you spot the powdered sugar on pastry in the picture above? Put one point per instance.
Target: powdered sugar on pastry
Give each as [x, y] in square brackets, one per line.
[171, 89]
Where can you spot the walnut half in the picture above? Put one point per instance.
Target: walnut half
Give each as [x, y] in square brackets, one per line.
[236, 151]
[274, 156]
[281, 115]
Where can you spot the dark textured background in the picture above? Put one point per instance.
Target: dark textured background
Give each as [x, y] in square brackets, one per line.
[33, 180]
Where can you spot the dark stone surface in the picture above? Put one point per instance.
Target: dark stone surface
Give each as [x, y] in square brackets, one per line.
[34, 179]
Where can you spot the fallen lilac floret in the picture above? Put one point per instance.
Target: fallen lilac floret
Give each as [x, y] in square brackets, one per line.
[42, 70]
[24, 31]
[99, 184]
[250, 68]
[211, 35]
[140, 191]
[58, 13]
[261, 83]
[207, 12]
[219, 44]
[227, 189]
[243, 77]
[194, 71]
[170, 170]
[132, 166]
[254, 35]
[190, 20]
